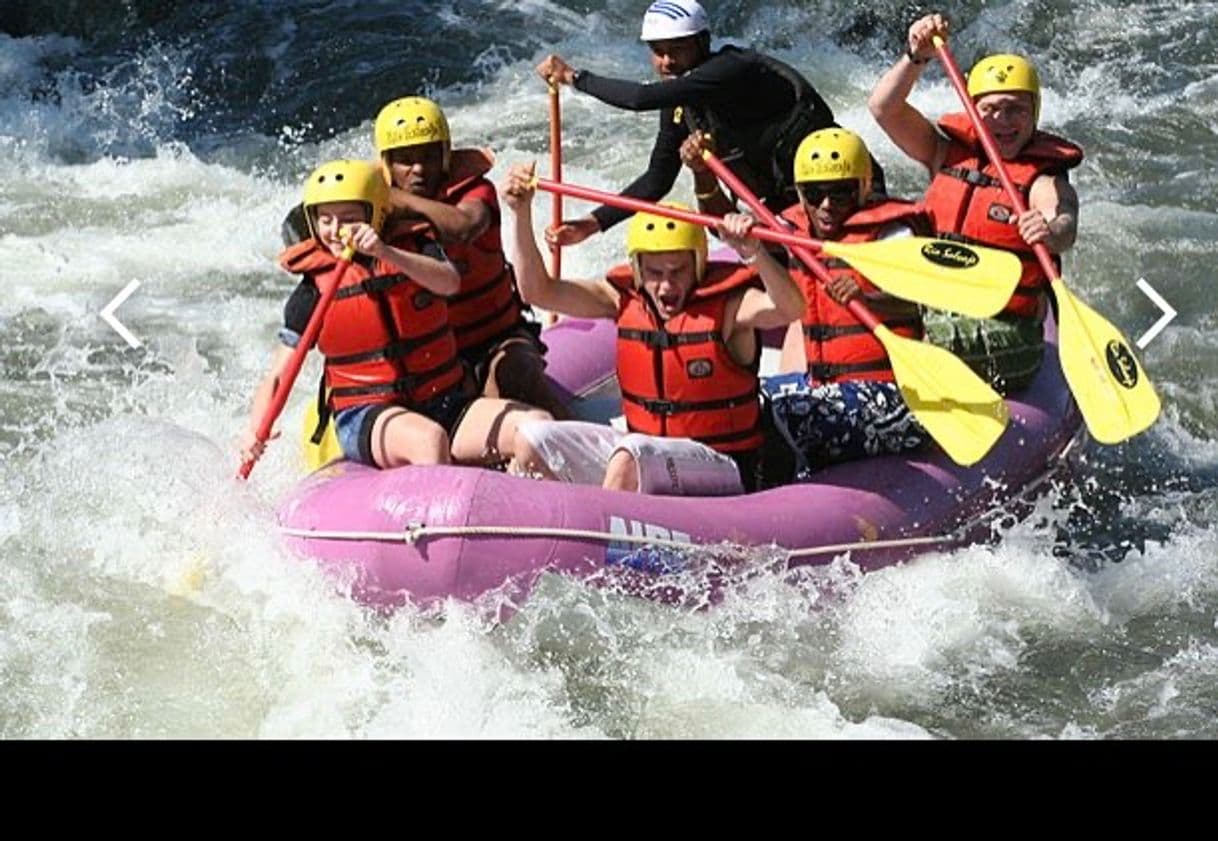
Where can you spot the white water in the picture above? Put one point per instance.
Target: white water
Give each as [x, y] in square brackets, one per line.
[143, 592]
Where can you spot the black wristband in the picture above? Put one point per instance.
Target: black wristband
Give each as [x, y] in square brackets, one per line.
[913, 60]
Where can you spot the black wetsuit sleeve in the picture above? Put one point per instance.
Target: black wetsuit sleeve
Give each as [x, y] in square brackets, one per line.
[661, 174]
[298, 310]
[722, 78]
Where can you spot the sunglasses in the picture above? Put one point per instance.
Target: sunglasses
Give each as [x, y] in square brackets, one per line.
[815, 194]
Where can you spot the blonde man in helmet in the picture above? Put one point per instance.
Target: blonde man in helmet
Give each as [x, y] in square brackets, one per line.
[755, 107]
[968, 202]
[398, 391]
[687, 355]
[841, 402]
[447, 189]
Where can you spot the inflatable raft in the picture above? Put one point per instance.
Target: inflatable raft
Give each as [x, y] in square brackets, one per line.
[428, 533]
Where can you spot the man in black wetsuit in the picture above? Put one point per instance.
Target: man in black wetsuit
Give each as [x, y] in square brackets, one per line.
[755, 109]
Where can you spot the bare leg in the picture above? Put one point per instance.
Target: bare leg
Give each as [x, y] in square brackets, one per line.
[487, 433]
[401, 437]
[622, 474]
[526, 460]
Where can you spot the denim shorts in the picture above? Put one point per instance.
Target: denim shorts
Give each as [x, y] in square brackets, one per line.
[354, 425]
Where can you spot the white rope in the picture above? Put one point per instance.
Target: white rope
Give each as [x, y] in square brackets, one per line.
[838, 548]
[417, 532]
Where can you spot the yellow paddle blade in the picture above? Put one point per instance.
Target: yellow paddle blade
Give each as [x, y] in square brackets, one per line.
[968, 279]
[317, 455]
[1112, 390]
[958, 408]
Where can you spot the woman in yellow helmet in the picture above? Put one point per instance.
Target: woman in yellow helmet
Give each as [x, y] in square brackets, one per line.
[399, 392]
[687, 355]
[968, 203]
[447, 188]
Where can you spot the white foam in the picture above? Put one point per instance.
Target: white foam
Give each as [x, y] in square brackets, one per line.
[145, 593]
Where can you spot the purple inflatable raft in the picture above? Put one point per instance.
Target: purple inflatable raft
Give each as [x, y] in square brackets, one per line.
[429, 533]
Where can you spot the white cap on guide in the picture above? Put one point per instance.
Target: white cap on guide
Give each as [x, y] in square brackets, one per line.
[673, 19]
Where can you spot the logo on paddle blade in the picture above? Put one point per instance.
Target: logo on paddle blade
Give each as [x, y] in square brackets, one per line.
[1121, 363]
[950, 255]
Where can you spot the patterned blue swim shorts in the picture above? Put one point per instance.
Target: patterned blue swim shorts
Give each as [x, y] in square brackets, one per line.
[839, 421]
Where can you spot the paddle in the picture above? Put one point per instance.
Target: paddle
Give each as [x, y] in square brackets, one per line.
[556, 171]
[283, 386]
[959, 410]
[1114, 394]
[556, 203]
[940, 274]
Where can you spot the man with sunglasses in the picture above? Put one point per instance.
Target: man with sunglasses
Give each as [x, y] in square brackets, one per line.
[755, 109]
[842, 402]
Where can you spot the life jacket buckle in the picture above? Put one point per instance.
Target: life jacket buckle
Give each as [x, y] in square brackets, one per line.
[660, 407]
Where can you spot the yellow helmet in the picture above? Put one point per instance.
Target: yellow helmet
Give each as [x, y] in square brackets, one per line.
[347, 180]
[412, 121]
[1005, 73]
[834, 154]
[648, 234]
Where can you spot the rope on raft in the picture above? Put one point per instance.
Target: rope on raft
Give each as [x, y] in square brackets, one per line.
[419, 531]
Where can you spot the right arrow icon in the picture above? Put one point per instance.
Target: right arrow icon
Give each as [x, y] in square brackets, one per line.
[1169, 312]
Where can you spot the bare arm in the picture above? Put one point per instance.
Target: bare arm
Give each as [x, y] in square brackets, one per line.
[438, 275]
[781, 302]
[462, 222]
[582, 298]
[908, 128]
[251, 447]
[1052, 216]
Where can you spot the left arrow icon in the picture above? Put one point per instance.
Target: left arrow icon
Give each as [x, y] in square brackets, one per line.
[107, 314]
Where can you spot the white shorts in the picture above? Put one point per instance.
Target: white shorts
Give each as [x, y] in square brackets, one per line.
[579, 452]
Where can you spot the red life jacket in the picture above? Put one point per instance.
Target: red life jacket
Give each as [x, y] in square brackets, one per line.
[385, 337]
[487, 302]
[837, 345]
[968, 203]
[678, 378]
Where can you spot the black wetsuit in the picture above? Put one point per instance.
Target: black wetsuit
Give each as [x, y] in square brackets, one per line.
[756, 108]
